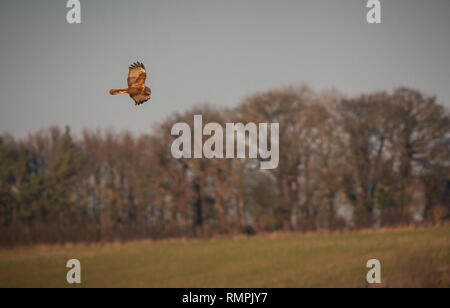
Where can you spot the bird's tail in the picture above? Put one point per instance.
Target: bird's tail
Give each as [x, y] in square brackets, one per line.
[118, 91]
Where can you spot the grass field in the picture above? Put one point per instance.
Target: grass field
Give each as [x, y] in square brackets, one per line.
[410, 258]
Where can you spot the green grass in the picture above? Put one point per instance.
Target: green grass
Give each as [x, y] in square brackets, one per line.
[411, 258]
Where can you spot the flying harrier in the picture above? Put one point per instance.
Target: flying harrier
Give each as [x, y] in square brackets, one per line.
[137, 89]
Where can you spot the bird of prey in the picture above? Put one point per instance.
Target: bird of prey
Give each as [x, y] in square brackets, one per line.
[137, 89]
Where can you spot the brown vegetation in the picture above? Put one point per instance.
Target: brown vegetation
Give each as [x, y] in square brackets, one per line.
[372, 161]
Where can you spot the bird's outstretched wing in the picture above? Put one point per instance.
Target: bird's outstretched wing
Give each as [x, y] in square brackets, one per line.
[136, 75]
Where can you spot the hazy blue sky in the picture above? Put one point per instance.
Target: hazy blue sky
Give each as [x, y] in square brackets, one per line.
[53, 73]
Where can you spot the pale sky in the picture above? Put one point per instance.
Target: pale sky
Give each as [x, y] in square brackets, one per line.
[53, 73]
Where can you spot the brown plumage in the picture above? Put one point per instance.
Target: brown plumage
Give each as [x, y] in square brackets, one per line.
[137, 89]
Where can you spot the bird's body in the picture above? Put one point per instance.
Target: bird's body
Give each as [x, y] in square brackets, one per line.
[137, 89]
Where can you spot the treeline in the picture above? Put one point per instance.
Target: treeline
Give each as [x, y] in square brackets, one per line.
[381, 159]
